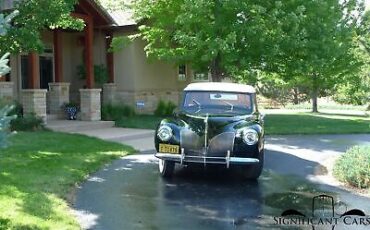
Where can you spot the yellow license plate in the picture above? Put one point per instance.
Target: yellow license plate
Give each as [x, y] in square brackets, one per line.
[165, 148]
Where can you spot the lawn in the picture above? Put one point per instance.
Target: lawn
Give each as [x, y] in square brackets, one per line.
[309, 123]
[281, 123]
[38, 171]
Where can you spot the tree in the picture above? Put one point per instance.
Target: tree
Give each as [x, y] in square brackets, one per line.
[4, 69]
[224, 37]
[34, 17]
[322, 48]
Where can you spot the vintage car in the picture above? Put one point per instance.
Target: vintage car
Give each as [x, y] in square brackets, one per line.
[217, 123]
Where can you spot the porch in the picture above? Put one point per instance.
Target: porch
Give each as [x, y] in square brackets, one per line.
[44, 82]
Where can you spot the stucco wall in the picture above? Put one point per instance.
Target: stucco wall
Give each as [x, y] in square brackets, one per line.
[145, 81]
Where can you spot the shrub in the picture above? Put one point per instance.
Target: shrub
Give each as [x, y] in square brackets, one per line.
[116, 112]
[353, 167]
[5, 119]
[28, 122]
[165, 109]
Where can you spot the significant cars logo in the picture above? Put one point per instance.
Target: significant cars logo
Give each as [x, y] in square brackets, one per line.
[324, 215]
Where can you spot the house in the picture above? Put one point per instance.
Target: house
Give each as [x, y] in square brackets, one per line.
[43, 82]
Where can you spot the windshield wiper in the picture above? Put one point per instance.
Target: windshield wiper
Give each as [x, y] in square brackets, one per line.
[198, 104]
[231, 105]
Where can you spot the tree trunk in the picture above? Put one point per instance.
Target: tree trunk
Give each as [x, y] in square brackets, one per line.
[295, 96]
[216, 70]
[314, 93]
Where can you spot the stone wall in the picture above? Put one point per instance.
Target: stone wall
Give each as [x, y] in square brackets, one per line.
[90, 104]
[6, 91]
[34, 102]
[145, 102]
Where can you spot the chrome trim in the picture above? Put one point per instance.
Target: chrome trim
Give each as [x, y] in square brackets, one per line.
[228, 159]
[232, 160]
[182, 156]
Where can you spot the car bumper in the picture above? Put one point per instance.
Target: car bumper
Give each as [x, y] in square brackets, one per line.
[184, 159]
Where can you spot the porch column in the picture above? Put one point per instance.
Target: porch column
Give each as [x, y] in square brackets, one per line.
[89, 53]
[90, 97]
[58, 56]
[34, 98]
[109, 89]
[58, 90]
[90, 104]
[33, 71]
[110, 59]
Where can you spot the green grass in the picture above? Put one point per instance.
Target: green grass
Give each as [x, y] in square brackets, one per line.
[290, 123]
[139, 122]
[37, 173]
[309, 123]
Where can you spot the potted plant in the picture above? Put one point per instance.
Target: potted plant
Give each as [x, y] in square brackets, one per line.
[71, 110]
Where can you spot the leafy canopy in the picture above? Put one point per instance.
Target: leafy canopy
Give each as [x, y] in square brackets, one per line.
[34, 17]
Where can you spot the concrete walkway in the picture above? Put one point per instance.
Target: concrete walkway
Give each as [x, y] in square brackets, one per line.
[141, 139]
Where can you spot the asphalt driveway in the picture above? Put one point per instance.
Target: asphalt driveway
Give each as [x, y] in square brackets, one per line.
[130, 194]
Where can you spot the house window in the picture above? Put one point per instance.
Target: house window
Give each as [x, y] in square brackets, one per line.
[199, 76]
[182, 73]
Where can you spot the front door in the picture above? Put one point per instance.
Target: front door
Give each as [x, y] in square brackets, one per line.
[46, 71]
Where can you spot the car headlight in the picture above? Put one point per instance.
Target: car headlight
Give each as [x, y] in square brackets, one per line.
[164, 133]
[250, 136]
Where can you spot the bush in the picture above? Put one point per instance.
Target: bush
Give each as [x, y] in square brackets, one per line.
[165, 109]
[353, 167]
[116, 112]
[28, 122]
[5, 120]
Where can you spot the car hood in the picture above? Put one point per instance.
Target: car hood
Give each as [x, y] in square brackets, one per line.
[213, 134]
[216, 123]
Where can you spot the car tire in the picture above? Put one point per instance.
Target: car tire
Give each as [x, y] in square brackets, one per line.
[253, 172]
[166, 168]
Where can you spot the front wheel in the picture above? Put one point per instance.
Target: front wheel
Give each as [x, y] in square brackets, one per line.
[166, 168]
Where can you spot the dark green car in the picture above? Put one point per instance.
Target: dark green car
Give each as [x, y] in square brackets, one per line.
[218, 123]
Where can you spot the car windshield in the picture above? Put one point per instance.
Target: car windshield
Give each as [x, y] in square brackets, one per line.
[201, 102]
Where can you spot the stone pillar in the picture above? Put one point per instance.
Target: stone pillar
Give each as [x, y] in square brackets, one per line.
[90, 104]
[58, 95]
[109, 93]
[34, 101]
[6, 91]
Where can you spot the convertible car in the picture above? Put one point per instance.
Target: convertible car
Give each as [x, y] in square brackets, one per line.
[217, 123]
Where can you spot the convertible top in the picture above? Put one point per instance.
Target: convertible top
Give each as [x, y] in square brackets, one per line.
[220, 87]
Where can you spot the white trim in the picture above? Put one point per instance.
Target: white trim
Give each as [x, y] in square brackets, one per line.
[220, 87]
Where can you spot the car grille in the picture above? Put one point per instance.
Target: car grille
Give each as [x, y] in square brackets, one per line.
[195, 144]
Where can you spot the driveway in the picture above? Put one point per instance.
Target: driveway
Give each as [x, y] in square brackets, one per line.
[130, 194]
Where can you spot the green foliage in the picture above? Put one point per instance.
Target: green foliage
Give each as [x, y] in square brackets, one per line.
[5, 120]
[27, 122]
[353, 167]
[100, 73]
[70, 104]
[34, 16]
[165, 108]
[211, 34]
[120, 42]
[111, 112]
[273, 87]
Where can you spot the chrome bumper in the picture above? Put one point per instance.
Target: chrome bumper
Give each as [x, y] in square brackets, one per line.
[182, 158]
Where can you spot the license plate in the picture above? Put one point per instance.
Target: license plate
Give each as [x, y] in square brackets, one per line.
[165, 148]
